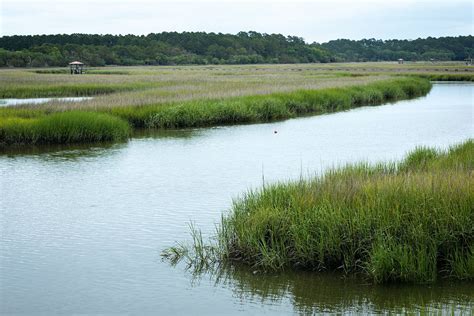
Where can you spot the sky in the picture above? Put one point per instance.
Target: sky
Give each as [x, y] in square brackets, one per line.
[315, 21]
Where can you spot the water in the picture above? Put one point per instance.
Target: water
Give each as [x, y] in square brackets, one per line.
[82, 227]
[11, 102]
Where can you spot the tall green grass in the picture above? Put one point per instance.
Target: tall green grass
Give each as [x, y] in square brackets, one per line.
[447, 77]
[63, 128]
[264, 108]
[16, 122]
[409, 221]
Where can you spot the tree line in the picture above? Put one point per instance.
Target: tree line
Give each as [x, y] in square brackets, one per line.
[173, 48]
[442, 48]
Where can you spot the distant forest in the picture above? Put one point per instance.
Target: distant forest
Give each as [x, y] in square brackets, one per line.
[172, 48]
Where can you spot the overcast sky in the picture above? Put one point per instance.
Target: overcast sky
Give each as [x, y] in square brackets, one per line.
[318, 21]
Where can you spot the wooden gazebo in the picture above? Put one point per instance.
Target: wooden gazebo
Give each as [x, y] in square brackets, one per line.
[77, 68]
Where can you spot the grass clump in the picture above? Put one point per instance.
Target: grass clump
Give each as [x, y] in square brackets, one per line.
[63, 128]
[406, 222]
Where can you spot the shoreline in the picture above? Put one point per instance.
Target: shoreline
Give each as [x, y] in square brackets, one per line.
[404, 222]
[20, 126]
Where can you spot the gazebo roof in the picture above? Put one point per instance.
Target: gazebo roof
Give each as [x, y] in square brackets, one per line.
[76, 63]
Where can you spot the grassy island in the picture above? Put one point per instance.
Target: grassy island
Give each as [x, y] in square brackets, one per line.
[174, 97]
[410, 221]
[47, 125]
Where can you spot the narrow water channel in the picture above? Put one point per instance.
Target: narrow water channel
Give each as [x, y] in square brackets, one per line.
[13, 102]
[82, 227]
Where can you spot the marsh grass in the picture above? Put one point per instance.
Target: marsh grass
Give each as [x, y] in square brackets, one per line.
[201, 96]
[410, 221]
[271, 107]
[66, 90]
[63, 128]
[184, 83]
[52, 71]
[212, 112]
[65, 71]
[198, 255]
[447, 77]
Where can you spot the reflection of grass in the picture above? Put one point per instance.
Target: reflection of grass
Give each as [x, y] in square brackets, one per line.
[62, 152]
[163, 133]
[317, 293]
[390, 222]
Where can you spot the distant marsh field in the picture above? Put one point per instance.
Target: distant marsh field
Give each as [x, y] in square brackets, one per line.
[199, 96]
[131, 86]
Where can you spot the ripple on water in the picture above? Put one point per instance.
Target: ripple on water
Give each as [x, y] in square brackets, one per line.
[82, 226]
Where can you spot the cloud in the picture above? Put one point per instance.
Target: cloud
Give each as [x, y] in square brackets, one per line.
[315, 21]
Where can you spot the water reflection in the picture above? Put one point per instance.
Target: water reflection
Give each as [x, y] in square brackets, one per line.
[80, 225]
[19, 102]
[160, 133]
[316, 292]
[77, 151]
[54, 152]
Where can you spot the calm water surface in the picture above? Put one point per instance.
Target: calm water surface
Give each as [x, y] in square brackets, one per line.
[82, 228]
[11, 102]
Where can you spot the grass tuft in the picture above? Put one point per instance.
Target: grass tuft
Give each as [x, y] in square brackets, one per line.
[63, 128]
[396, 222]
